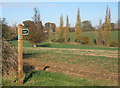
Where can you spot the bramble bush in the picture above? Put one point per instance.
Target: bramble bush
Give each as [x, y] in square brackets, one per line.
[9, 58]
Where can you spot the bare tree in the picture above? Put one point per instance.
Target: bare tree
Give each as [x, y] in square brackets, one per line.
[36, 29]
[36, 15]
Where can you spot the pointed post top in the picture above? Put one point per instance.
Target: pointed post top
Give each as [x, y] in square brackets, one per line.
[19, 24]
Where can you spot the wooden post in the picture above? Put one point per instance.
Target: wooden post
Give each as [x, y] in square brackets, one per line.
[20, 54]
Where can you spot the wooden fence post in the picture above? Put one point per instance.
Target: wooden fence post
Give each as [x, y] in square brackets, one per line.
[20, 54]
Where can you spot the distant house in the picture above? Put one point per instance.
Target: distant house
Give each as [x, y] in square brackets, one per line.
[72, 29]
[50, 27]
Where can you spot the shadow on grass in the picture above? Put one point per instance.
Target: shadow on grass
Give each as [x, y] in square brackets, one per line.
[44, 45]
[28, 70]
[29, 55]
[46, 67]
[27, 77]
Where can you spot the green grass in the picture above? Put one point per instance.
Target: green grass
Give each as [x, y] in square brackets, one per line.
[67, 55]
[62, 45]
[76, 46]
[43, 78]
[25, 43]
[92, 36]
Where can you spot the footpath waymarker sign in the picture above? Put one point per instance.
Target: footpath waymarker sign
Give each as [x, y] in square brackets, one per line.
[20, 54]
[21, 32]
[25, 31]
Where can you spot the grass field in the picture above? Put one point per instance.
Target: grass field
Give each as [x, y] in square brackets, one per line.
[92, 35]
[43, 78]
[63, 45]
[67, 65]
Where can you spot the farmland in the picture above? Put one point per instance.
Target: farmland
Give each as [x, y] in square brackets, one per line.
[92, 36]
[68, 65]
[60, 44]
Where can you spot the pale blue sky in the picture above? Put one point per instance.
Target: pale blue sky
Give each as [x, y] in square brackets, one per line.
[51, 11]
[60, 0]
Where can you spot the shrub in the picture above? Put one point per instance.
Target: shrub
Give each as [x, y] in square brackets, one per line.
[114, 44]
[53, 40]
[68, 39]
[94, 41]
[60, 40]
[77, 41]
[9, 58]
[85, 40]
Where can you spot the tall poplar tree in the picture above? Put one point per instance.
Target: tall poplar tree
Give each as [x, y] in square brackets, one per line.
[78, 27]
[107, 26]
[100, 34]
[60, 30]
[66, 31]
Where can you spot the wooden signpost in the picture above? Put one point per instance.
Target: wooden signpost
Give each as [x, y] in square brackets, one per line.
[21, 32]
[20, 54]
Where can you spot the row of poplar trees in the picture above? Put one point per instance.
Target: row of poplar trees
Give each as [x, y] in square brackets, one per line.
[63, 32]
[103, 32]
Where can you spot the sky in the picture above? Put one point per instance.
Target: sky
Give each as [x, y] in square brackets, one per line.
[60, 0]
[17, 12]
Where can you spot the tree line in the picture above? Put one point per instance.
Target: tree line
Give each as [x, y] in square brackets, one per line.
[39, 32]
[103, 31]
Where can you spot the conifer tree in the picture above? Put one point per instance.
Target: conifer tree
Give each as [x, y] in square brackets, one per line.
[78, 27]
